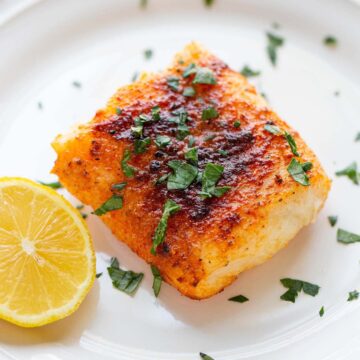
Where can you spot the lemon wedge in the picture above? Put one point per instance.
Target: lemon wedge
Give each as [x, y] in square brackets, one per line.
[47, 260]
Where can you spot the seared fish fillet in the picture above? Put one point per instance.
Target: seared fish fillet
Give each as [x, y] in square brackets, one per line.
[218, 232]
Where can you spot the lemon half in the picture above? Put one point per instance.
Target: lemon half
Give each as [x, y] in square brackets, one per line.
[47, 260]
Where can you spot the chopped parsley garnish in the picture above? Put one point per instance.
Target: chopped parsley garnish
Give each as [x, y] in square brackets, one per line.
[128, 170]
[205, 357]
[115, 202]
[170, 208]
[211, 175]
[80, 207]
[353, 295]
[295, 286]
[332, 220]
[209, 137]
[118, 186]
[173, 83]
[162, 140]
[239, 298]
[162, 179]
[204, 76]
[209, 113]
[143, 3]
[189, 70]
[192, 156]
[237, 124]
[297, 172]
[223, 152]
[274, 42]
[148, 53]
[155, 113]
[351, 172]
[40, 105]
[291, 143]
[98, 275]
[330, 41]
[189, 91]
[182, 131]
[273, 129]
[77, 84]
[183, 175]
[54, 185]
[209, 3]
[157, 280]
[137, 130]
[248, 72]
[124, 280]
[322, 311]
[118, 111]
[347, 237]
[357, 137]
[307, 166]
[180, 119]
[141, 145]
[191, 141]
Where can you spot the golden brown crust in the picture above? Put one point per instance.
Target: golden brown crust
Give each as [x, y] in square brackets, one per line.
[205, 235]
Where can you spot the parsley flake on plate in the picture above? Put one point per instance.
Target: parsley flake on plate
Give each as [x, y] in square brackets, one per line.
[239, 299]
[274, 42]
[157, 280]
[98, 275]
[351, 172]
[357, 137]
[330, 41]
[322, 311]
[211, 175]
[77, 84]
[148, 54]
[295, 287]
[115, 202]
[124, 280]
[248, 72]
[332, 220]
[128, 170]
[209, 3]
[346, 237]
[353, 295]
[297, 172]
[183, 175]
[205, 357]
[170, 208]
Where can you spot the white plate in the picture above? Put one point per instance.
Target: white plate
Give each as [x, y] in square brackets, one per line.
[46, 45]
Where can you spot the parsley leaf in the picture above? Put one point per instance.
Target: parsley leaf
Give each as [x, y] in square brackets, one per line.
[295, 286]
[353, 295]
[148, 53]
[143, 3]
[351, 172]
[162, 141]
[54, 185]
[248, 72]
[192, 155]
[137, 130]
[180, 119]
[205, 357]
[189, 91]
[126, 281]
[332, 220]
[223, 152]
[204, 76]
[162, 179]
[155, 113]
[173, 83]
[170, 208]
[211, 175]
[347, 237]
[209, 3]
[239, 298]
[118, 111]
[357, 137]
[182, 131]
[189, 70]
[128, 170]
[141, 145]
[321, 311]
[191, 141]
[209, 113]
[330, 41]
[307, 166]
[273, 129]
[184, 174]
[297, 172]
[77, 84]
[274, 42]
[98, 275]
[291, 143]
[157, 280]
[115, 202]
[237, 124]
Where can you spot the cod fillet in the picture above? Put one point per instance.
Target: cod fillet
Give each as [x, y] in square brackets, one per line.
[228, 222]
